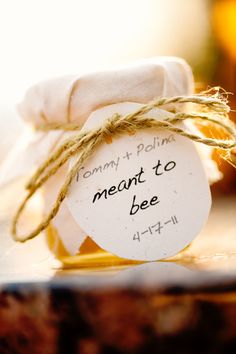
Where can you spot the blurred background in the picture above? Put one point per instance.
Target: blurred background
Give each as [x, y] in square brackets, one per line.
[46, 38]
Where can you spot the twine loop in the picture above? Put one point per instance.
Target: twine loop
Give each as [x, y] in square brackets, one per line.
[213, 110]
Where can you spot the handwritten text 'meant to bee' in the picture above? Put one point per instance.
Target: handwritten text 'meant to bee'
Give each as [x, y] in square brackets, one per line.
[138, 178]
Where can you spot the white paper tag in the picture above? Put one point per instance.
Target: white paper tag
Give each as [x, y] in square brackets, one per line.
[142, 197]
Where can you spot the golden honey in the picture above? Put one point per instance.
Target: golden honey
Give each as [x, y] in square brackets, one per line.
[90, 254]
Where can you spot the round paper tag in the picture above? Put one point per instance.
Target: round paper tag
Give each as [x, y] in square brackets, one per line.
[142, 197]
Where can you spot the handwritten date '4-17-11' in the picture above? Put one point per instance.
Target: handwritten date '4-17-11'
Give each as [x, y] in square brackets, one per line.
[156, 228]
[138, 178]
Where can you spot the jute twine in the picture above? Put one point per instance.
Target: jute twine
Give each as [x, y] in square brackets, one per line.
[212, 108]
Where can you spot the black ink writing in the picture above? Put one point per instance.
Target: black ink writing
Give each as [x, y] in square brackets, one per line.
[122, 185]
[166, 168]
[144, 205]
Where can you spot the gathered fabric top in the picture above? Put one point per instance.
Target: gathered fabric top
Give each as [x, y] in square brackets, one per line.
[71, 99]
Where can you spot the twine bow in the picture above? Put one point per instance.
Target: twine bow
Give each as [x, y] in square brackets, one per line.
[214, 110]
